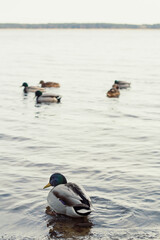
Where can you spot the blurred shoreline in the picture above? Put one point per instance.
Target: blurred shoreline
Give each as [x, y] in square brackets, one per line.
[77, 26]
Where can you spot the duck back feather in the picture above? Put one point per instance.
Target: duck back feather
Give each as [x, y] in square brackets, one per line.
[69, 199]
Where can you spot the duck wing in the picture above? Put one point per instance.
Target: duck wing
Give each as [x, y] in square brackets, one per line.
[35, 88]
[122, 82]
[49, 82]
[52, 95]
[123, 86]
[70, 194]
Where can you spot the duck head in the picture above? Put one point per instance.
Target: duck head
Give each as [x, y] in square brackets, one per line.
[56, 179]
[25, 84]
[116, 82]
[41, 82]
[38, 93]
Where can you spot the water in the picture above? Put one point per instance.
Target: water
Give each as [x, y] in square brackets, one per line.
[110, 146]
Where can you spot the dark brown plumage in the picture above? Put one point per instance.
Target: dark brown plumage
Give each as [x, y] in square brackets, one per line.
[49, 84]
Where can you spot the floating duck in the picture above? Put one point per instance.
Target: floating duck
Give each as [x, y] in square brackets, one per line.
[68, 198]
[47, 97]
[31, 88]
[122, 84]
[49, 84]
[113, 92]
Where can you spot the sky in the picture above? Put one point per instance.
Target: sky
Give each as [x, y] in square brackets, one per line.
[80, 11]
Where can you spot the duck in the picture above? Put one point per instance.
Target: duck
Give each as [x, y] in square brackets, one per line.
[49, 84]
[122, 84]
[67, 198]
[113, 92]
[47, 97]
[31, 88]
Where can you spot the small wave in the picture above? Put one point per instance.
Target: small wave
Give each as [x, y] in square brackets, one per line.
[11, 138]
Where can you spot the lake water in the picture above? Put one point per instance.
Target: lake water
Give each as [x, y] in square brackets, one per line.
[110, 146]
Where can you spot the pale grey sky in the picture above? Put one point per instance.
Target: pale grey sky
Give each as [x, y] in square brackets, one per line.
[58, 11]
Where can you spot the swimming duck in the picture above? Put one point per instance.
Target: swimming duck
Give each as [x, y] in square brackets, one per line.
[49, 84]
[122, 84]
[31, 88]
[113, 92]
[47, 97]
[68, 198]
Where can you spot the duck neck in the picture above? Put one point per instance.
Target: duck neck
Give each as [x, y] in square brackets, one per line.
[25, 89]
[37, 99]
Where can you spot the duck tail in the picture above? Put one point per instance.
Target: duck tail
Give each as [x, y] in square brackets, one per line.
[58, 99]
[82, 210]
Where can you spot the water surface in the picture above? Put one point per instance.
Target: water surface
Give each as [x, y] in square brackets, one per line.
[110, 146]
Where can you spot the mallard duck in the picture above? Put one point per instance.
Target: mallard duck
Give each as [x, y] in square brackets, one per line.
[68, 198]
[49, 84]
[113, 92]
[47, 97]
[122, 84]
[31, 88]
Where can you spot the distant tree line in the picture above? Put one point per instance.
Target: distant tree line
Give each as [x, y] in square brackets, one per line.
[79, 26]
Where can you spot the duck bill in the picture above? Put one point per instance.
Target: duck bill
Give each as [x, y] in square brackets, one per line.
[48, 185]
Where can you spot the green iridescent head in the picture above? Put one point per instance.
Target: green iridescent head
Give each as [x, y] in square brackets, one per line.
[38, 93]
[24, 84]
[56, 179]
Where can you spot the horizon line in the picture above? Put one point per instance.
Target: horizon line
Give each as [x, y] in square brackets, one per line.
[80, 23]
[155, 26]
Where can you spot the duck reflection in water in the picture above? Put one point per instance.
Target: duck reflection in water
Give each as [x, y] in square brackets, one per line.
[65, 227]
